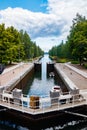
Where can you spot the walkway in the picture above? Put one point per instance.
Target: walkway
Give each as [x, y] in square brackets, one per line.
[76, 78]
[14, 73]
[81, 72]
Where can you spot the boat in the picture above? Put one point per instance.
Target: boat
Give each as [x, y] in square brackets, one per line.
[51, 74]
[56, 89]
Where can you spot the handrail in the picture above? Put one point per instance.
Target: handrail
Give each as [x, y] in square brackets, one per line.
[24, 103]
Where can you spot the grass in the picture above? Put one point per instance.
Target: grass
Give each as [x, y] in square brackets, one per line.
[62, 60]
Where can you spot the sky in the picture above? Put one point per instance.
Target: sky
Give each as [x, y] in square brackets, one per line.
[46, 21]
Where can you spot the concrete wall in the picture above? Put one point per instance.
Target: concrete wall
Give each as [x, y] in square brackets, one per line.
[60, 81]
[72, 88]
[21, 81]
[37, 66]
[50, 68]
[24, 80]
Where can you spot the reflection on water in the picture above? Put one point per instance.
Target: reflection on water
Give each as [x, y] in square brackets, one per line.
[73, 125]
[6, 125]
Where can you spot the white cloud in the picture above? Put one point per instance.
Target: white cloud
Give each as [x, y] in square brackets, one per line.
[37, 24]
[67, 9]
[47, 29]
[47, 42]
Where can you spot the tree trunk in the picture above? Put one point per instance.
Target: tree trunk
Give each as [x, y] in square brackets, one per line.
[10, 62]
[80, 61]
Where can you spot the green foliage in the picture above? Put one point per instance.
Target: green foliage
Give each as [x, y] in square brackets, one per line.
[75, 62]
[62, 60]
[76, 44]
[16, 46]
[78, 38]
[85, 65]
[53, 58]
[30, 48]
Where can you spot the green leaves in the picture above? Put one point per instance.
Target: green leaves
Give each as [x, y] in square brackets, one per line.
[76, 44]
[16, 46]
[78, 38]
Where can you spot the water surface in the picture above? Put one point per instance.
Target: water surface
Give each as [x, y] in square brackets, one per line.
[40, 84]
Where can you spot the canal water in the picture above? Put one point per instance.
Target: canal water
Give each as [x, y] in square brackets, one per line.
[40, 85]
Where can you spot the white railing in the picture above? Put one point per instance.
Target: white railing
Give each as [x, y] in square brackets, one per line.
[40, 105]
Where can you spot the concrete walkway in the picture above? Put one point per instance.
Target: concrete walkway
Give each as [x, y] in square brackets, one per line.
[12, 68]
[71, 72]
[84, 74]
[12, 74]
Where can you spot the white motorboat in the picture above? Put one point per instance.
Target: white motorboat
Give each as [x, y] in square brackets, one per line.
[51, 74]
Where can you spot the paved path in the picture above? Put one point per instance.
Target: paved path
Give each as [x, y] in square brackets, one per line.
[12, 73]
[12, 67]
[78, 79]
[79, 71]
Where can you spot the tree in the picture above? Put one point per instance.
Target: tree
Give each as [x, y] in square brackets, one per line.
[2, 46]
[13, 42]
[16, 46]
[78, 38]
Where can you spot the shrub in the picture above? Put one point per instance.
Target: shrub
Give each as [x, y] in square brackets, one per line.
[85, 65]
[75, 62]
[62, 60]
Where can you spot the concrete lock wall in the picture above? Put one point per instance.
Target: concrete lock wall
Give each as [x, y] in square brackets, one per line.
[37, 66]
[50, 67]
[23, 81]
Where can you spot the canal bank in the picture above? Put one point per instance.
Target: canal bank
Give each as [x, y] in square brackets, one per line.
[72, 88]
[16, 76]
[27, 116]
[74, 74]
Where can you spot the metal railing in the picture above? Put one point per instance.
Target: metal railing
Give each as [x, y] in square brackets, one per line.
[40, 104]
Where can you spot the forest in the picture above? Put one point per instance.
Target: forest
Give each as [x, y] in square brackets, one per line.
[16, 46]
[75, 47]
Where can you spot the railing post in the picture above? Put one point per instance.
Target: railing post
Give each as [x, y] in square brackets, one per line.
[8, 102]
[28, 101]
[73, 100]
[42, 106]
[22, 102]
[58, 103]
[3, 96]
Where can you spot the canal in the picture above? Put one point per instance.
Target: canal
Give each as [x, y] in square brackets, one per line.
[40, 84]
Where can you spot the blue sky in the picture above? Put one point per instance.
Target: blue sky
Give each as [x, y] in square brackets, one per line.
[33, 5]
[46, 21]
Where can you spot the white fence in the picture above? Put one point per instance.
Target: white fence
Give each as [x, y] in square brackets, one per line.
[35, 104]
